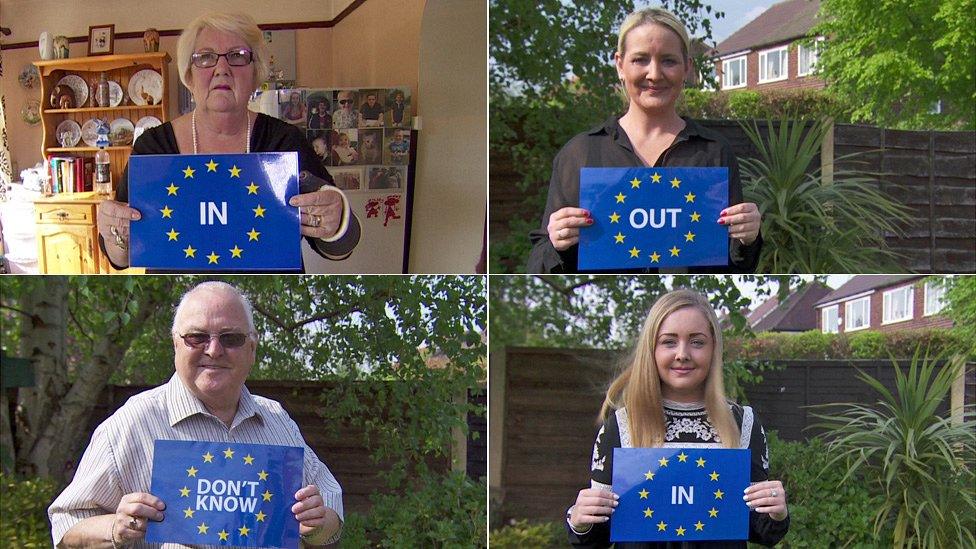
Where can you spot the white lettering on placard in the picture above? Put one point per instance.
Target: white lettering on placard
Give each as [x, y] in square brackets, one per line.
[640, 218]
[686, 493]
[209, 210]
[225, 495]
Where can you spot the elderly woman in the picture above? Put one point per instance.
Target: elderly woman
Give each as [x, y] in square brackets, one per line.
[222, 59]
[652, 64]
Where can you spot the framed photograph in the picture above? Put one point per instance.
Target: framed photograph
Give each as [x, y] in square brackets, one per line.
[101, 40]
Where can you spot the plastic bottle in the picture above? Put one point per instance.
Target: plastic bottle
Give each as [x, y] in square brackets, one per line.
[102, 93]
[103, 168]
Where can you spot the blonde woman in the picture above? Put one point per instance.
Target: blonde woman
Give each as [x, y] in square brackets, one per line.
[652, 64]
[672, 395]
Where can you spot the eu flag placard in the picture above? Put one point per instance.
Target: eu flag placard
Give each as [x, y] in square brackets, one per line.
[653, 217]
[680, 494]
[226, 493]
[215, 212]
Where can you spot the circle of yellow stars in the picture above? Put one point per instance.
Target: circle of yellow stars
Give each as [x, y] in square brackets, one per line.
[682, 458]
[634, 251]
[203, 528]
[213, 258]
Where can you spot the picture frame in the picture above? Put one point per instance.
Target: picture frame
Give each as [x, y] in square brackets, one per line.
[101, 40]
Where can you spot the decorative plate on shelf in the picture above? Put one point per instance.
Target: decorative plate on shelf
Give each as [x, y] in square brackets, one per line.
[78, 86]
[146, 87]
[144, 124]
[68, 133]
[121, 133]
[115, 94]
[31, 113]
[89, 131]
[29, 77]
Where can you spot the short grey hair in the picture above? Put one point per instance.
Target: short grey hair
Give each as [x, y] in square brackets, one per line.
[239, 24]
[216, 286]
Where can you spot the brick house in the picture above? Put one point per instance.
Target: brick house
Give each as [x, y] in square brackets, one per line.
[795, 314]
[766, 54]
[883, 303]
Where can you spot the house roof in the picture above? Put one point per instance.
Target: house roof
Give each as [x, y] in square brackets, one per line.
[781, 22]
[795, 314]
[863, 283]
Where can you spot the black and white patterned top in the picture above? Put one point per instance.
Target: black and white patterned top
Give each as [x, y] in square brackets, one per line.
[687, 426]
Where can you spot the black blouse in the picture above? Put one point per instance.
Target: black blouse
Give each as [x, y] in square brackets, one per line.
[608, 146]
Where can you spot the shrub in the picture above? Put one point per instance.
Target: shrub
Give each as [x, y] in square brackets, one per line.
[814, 345]
[23, 506]
[745, 104]
[522, 533]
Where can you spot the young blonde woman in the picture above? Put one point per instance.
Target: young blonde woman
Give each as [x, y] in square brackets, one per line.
[652, 64]
[672, 395]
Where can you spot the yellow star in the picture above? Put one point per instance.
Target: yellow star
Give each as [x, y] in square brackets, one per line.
[700, 462]
[211, 166]
[208, 457]
[695, 216]
[252, 234]
[172, 234]
[675, 183]
[260, 516]
[184, 492]
[643, 494]
[699, 526]
[191, 472]
[656, 178]
[223, 535]
[619, 238]
[258, 212]
[167, 212]
[655, 257]
[236, 252]
[689, 236]
[614, 218]
[248, 459]
[620, 198]
[171, 190]
[713, 512]
[649, 475]
[663, 462]
[661, 526]
[690, 197]
[635, 183]
[188, 513]
[244, 530]
[719, 494]
[228, 453]
[266, 495]
[203, 528]
[190, 251]
[213, 258]
[188, 173]
[648, 512]
[713, 476]
[634, 252]
[235, 171]
[263, 475]
[674, 251]
[682, 457]
[680, 530]
[252, 188]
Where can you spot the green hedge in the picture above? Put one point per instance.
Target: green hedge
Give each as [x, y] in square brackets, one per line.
[771, 104]
[23, 508]
[814, 345]
[522, 533]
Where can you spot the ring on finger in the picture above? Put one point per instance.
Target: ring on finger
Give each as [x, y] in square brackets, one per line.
[773, 493]
[133, 522]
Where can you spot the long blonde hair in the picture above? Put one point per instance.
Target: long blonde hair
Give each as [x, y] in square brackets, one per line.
[638, 387]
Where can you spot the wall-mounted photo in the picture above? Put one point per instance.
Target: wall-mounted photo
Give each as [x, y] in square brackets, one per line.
[345, 115]
[371, 108]
[397, 146]
[370, 146]
[101, 40]
[348, 179]
[398, 114]
[319, 110]
[321, 141]
[345, 148]
[292, 107]
[387, 177]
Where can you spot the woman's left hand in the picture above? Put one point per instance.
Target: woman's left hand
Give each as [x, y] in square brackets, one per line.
[743, 221]
[767, 497]
[321, 212]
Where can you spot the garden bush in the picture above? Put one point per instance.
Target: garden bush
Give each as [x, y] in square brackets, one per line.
[814, 345]
[522, 533]
[23, 506]
[803, 104]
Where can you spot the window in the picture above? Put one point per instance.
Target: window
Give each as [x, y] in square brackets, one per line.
[934, 297]
[828, 320]
[806, 58]
[773, 65]
[734, 73]
[898, 304]
[857, 314]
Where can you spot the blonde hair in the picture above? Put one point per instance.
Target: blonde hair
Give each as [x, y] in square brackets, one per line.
[654, 16]
[238, 24]
[638, 387]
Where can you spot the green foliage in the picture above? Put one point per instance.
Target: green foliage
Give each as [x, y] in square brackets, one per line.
[961, 297]
[23, 506]
[811, 224]
[804, 104]
[919, 464]
[814, 345]
[745, 104]
[522, 533]
[893, 60]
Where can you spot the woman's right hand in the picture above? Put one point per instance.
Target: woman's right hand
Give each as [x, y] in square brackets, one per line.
[593, 506]
[133, 514]
[564, 225]
[113, 225]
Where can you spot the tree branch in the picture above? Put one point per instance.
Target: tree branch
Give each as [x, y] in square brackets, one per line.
[15, 309]
[566, 291]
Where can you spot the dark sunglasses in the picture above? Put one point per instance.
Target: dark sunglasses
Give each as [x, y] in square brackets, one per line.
[228, 340]
[345, 101]
[235, 58]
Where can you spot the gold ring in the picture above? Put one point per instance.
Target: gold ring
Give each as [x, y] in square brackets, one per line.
[120, 241]
[133, 522]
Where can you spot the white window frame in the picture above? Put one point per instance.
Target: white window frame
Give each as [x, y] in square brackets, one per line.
[814, 54]
[888, 297]
[849, 314]
[784, 56]
[829, 326]
[725, 72]
[934, 298]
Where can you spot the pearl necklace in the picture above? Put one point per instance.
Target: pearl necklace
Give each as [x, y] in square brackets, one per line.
[193, 124]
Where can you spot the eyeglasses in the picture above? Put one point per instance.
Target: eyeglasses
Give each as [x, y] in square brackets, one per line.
[228, 340]
[235, 58]
[345, 101]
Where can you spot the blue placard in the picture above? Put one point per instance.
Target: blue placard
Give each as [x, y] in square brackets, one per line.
[680, 494]
[653, 217]
[226, 493]
[215, 212]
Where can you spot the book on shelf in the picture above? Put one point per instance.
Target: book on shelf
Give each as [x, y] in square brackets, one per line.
[70, 174]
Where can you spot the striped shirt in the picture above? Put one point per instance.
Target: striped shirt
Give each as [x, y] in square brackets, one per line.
[118, 460]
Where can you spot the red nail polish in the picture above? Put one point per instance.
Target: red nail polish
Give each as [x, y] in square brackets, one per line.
[589, 221]
[721, 221]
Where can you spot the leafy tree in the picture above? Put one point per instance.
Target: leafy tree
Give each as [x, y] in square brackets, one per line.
[961, 296]
[892, 61]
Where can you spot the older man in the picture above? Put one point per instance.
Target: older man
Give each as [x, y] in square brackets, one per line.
[107, 503]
